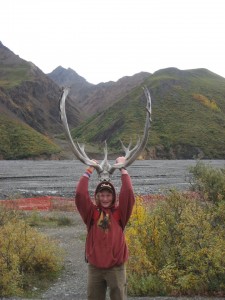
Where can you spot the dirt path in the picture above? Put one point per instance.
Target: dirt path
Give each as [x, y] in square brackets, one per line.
[73, 281]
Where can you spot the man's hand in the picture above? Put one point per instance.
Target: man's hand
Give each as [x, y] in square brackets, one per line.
[91, 169]
[120, 160]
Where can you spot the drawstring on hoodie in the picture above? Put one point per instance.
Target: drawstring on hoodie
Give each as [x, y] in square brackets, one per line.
[104, 220]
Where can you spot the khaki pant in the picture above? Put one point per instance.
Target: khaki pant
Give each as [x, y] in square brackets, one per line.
[100, 279]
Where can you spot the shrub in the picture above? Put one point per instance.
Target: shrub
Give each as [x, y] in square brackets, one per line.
[50, 219]
[24, 252]
[175, 248]
[64, 221]
[209, 182]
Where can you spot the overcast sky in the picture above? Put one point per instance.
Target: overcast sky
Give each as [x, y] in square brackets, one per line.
[104, 40]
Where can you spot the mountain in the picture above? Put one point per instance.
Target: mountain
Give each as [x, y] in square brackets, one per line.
[23, 85]
[188, 117]
[92, 98]
[29, 97]
[68, 77]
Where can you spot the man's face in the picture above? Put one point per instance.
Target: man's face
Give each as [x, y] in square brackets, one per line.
[105, 198]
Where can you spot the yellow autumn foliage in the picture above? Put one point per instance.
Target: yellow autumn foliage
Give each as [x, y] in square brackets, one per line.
[176, 248]
[207, 102]
[24, 252]
[136, 236]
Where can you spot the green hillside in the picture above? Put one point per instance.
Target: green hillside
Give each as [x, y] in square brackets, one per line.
[188, 117]
[19, 141]
[10, 77]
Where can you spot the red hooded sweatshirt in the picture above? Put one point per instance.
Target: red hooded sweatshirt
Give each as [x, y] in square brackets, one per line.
[105, 246]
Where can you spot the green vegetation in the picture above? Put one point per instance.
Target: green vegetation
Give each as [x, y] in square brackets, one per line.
[28, 259]
[11, 77]
[188, 118]
[177, 245]
[209, 182]
[186, 126]
[19, 141]
[36, 219]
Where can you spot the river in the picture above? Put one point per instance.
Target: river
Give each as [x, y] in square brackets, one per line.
[25, 178]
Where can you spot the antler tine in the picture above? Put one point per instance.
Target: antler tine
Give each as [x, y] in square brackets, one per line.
[105, 160]
[127, 150]
[124, 147]
[149, 103]
[80, 148]
[134, 153]
[105, 165]
[77, 149]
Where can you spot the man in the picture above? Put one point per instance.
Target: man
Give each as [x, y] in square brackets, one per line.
[106, 249]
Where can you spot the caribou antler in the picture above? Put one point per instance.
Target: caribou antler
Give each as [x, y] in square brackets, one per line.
[104, 169]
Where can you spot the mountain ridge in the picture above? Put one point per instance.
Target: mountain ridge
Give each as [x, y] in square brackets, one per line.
[188, 111]
[93, 98]
[28, 102]
[188, 116]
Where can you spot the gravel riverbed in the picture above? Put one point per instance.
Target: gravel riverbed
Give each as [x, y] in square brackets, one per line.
[27, 178]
